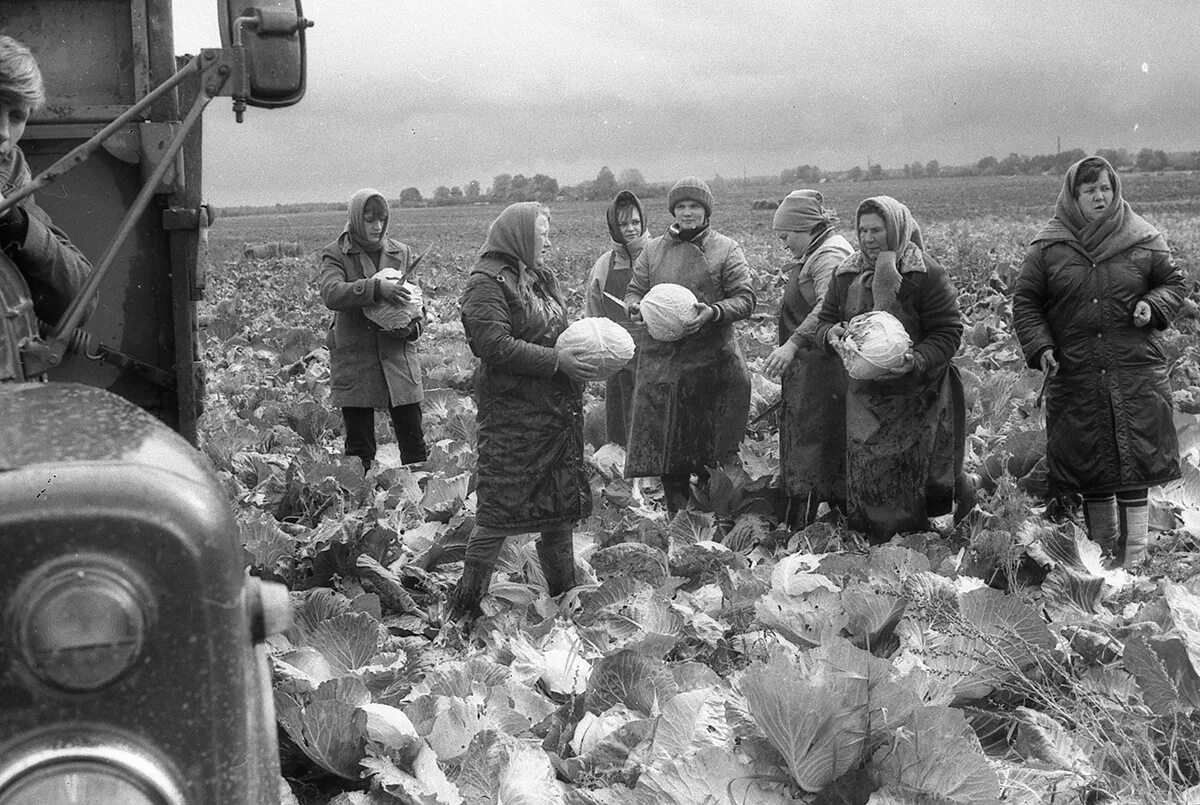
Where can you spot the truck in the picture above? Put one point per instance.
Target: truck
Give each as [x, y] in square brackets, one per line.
[132, 661]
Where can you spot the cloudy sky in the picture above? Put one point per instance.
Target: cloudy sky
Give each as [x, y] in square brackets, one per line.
[439, 92]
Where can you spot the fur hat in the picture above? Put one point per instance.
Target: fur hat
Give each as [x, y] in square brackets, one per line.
[691, 188]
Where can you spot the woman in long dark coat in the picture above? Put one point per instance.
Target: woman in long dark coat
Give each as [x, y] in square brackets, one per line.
[610, 275]
[529, 395]
[812, 428]
[904, 431]
[1097, 286]
[692, 396]
[371, 367]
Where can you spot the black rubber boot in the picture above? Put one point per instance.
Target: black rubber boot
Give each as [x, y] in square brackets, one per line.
[677, 492]
[556, 552]
[474, 582]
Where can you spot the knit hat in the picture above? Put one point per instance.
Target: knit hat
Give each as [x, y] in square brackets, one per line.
[800, 211]
[691, 188]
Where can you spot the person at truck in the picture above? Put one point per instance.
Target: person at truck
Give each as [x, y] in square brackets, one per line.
[52, 269]
[603, 296]
[370, 367]
[812, 426]
[529, 397]
[692, 396]
[1097, 288]
[905, 430]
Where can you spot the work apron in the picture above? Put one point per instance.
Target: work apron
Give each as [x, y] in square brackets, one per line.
[812, 430]
[618, 389]
[691, 400]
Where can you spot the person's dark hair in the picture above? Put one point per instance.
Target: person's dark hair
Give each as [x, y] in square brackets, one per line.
[1090, 170]
[625, 211]
[376, 206]
[870, 207]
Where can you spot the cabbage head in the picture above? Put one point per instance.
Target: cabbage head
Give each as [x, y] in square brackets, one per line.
[396, 317]
[603, 341]
[666, 309]
[874, 344]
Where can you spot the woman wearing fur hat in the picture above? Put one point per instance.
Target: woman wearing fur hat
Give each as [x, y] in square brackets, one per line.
[812, 430]
[1097, 287]
[370, 367]
[610, 275]
[529, 394]
[905, 431]
[692, 397]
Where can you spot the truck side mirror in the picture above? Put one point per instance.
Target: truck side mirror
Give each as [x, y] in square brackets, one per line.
[271, 34]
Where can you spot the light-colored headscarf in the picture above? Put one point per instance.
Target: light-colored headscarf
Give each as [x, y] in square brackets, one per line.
[1114, 231]
[356, 228]
[514, 234]
[903, 254]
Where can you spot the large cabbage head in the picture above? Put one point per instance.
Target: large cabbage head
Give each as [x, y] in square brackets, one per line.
[396, 317]
[603, 341]
[874, 344]
[666, 309]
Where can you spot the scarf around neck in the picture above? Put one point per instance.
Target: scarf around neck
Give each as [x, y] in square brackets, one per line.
[903, 255]
[1115, 230]
[356, 228]
[687, 235]
[14, 172]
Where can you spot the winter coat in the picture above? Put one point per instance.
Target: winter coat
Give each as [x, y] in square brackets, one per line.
[1108, 407]
[530, 416]
[812, 430]
[904, 437]
[692, 396]
[369, 367]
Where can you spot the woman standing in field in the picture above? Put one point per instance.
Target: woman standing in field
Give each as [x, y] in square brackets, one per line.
[371, 367]
[1097, 286]
[529, 395]
[812, 429]
[692, 397]
[905, 430]
[610, 275]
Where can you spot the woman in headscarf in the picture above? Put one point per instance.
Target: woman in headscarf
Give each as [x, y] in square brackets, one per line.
[529, 394]
[1097, 287]
[905, 431]
[692, 396]
[370, 367]
[610, 275]
[812, 429]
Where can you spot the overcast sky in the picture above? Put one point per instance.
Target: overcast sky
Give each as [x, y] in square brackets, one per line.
[440, 92]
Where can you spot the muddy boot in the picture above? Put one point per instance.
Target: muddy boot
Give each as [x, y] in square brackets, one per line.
[1135, 531]
[556, 552]
[464, 600]
[677, 492]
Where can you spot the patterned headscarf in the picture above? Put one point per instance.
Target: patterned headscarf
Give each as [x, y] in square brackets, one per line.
[1114, 231]
[903, 254]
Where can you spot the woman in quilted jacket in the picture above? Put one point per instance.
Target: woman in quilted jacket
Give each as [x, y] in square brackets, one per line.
[1096, 290]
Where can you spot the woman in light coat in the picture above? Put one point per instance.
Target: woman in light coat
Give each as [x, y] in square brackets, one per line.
[1096, 290]
[371, 367]
[692, 397]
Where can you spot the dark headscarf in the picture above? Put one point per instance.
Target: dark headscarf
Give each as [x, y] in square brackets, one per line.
[1114, 231]
[356, 229]
[633, 247]
[903, 254]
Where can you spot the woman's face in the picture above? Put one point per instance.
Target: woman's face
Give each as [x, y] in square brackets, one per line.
[13, 117]
[1094, 197]
[373, 226]
[689, 214]
[541, 239]
[796, 242]
[872, 235]
[631, 227]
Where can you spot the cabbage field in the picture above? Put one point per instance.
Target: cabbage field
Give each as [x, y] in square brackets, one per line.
[720, 658]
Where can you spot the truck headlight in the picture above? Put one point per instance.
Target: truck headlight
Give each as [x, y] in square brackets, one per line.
[99, 771]
[88, 782]
[80, 623]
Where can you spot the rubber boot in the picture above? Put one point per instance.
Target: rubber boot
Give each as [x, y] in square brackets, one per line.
[474, 582]
[556, 552]
[677, 492]
[1100, 517]
[1135, 534]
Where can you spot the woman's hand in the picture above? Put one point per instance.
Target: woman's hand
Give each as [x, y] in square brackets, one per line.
[570, 361]
[1048, 362]
[906, 366]
[704, 314]
[835, 333]
[778, 360]
[1141, 313]
[635, 312]
[394, 292]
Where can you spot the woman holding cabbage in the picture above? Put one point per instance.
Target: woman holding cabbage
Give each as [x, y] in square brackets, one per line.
[371, 366]
[529, 395]
[905, 425]
[691, 400]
